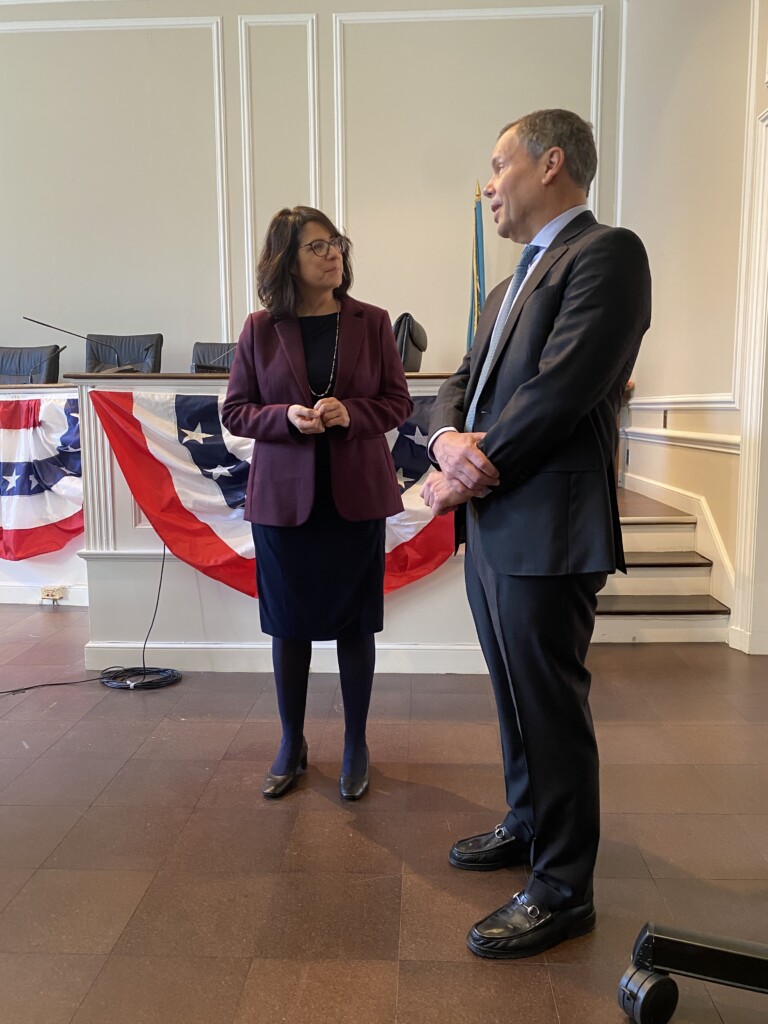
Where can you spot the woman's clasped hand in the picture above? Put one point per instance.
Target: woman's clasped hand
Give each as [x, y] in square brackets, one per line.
[326, 412]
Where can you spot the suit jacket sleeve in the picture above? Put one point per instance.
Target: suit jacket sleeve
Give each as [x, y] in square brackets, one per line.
[604, 312]
[448, 410]
[243, 414]
[369, 417]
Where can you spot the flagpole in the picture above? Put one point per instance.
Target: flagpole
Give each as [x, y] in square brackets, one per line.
[477, 291]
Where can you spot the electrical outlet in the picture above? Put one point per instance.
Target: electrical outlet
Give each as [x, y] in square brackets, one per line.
[51, 593]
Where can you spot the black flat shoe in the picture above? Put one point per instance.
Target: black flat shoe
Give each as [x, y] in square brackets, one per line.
[352, 787]
[277, 785]
[489, 851]
[524, 928]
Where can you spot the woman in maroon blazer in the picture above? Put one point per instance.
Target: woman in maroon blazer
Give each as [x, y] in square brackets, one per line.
[317, 382]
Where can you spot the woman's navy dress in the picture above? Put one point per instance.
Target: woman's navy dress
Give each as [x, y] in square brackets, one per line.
[324, 578]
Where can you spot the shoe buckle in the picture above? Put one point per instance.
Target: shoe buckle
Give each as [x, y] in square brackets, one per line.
[530, 908]
[500, 832]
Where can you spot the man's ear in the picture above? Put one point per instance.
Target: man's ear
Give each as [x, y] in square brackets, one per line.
[554, 162]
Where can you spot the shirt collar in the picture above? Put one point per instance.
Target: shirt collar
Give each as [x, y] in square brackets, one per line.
[550, 231]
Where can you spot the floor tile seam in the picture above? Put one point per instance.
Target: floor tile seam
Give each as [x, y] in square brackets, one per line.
[87, 992]
[88, 804]
[85, 755]
[102, 806]
[50, 854]
[135, 910]
[552, 992]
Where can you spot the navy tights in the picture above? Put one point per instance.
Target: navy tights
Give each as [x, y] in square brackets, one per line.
[290, 658]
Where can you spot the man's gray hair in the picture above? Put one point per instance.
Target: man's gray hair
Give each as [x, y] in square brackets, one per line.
[546, 128]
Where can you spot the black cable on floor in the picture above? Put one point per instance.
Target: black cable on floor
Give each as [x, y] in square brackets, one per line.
[39, 686]
[119, 678]
[116, 676]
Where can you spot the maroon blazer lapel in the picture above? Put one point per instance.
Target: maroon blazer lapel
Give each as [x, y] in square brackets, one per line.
[351, 334]
[289, 333]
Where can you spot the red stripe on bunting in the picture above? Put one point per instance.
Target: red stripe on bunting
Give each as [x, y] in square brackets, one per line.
[196, 543]
[40, 540]
[151, 485]
[421, 555]
[23, 414]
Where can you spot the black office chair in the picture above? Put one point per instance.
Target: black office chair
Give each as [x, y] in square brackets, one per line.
[35, 365]
[139, 353]
[212, 357]
[411, 341]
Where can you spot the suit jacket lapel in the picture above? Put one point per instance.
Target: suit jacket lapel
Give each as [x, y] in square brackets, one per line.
[289, 333]
[553, 253]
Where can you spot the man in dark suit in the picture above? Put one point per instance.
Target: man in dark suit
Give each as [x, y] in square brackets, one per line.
[524, 435]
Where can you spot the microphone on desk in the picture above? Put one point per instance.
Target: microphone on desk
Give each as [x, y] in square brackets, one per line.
[117, 368]
[29, 374]
[208, 366]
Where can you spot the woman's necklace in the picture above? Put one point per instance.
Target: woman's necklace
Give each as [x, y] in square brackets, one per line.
[324, 394]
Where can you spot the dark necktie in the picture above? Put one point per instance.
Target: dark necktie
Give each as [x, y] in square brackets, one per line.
[527, 257]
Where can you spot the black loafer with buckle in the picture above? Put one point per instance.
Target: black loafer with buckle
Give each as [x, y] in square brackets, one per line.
[489, 851]
[525, 928]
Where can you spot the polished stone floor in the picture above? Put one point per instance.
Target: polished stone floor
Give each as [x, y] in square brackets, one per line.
[144, 880]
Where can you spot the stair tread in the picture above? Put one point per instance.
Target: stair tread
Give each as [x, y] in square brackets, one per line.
[633, 505]
[673, 559]
[660, 604]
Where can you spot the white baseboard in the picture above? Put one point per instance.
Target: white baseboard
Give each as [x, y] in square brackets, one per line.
[75, 596]
[708, 539]
[423, 659]
[749, 643]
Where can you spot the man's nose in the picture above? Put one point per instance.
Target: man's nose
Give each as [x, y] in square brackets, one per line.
[488, 191]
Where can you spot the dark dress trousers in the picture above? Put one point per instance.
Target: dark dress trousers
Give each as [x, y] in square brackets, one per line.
[540, 545]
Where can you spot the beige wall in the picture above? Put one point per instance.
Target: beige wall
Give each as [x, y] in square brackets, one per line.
[146, 146]
[694, 72]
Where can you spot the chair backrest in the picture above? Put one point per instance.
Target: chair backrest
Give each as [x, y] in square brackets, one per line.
[411, 341]
[35, 365]
[212, 357]
[112, 352]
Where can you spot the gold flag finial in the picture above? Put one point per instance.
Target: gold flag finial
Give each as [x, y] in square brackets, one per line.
[478, 193]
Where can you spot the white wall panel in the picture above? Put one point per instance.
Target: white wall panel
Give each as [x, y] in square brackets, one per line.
[683, 160]
[115, 196]
[420, 100]
[279, 116]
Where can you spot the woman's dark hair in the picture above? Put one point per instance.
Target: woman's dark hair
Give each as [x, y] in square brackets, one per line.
[274, 281]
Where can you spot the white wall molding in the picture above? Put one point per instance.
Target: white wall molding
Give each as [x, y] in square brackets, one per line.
[621, 111]
[98, 480]
[743, 338]
[75, 594]
[756, 329]
[730, 443]
[593, 11]
[709, 542]
[48, 3]
[245, 22]
[214, 26]
[723, 402]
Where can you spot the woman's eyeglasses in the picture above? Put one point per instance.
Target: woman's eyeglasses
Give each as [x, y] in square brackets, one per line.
[321, 247]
